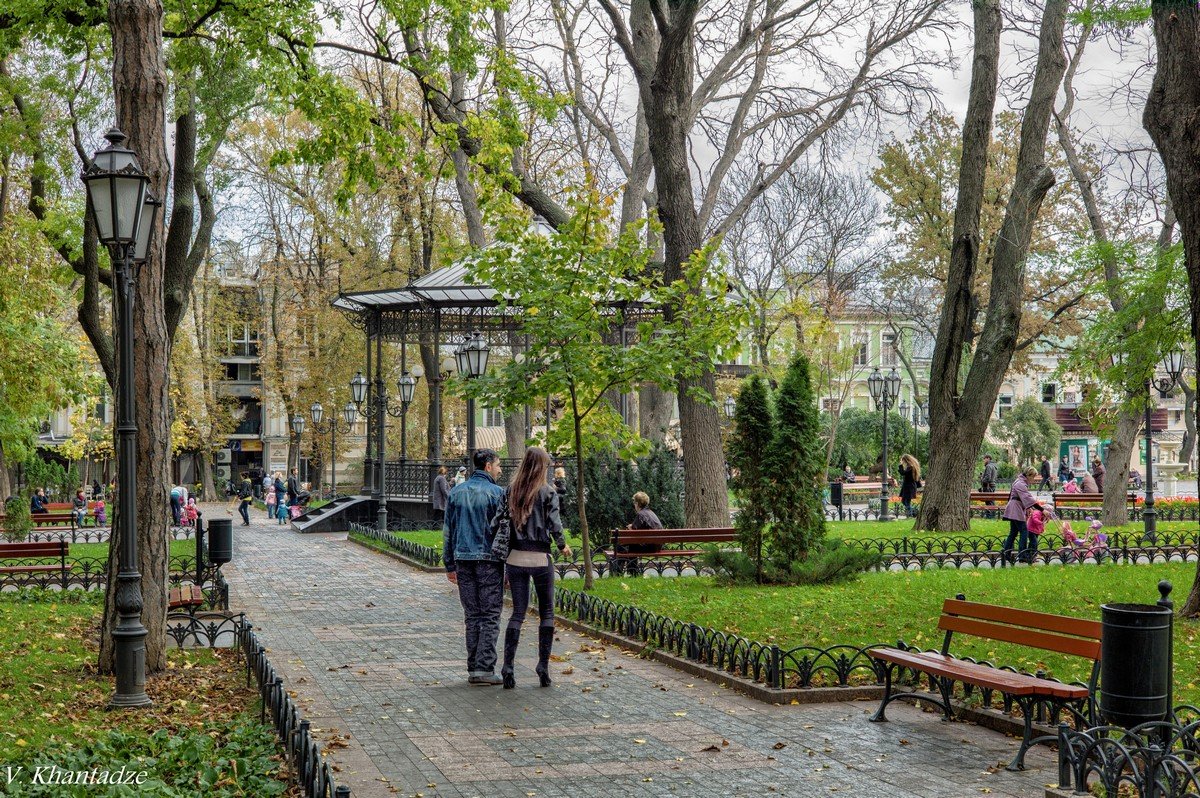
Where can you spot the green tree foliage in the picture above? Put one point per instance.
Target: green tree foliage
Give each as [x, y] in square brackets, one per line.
[753, 432]
[17, 521]
[860, 439]
[569, 292]
[1029, 428]
[796, 461]
[610, 481]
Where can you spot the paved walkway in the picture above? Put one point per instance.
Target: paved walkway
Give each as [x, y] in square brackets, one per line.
[373, 650]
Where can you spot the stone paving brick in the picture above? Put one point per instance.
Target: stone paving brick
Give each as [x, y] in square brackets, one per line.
[374, 651]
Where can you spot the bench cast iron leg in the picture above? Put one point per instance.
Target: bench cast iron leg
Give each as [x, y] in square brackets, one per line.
[879, 717]
[1018, 763]
[945, 686]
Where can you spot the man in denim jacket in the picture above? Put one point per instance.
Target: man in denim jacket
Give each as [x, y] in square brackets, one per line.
[467, 553]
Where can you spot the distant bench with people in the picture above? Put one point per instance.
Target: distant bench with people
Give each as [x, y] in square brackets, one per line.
[629, 546]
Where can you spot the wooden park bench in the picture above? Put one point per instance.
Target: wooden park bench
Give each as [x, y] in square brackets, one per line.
[187, 597]
[51, 549]
[1086, 499]
[1041, 630]
[991, 501]
[50, 522]
[649, 543]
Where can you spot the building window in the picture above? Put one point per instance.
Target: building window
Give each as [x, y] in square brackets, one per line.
[1069, 397]
[242, 372]
[493, 418]
[887, 351]
[861, 349]
[1049, 393]
[1004, 404]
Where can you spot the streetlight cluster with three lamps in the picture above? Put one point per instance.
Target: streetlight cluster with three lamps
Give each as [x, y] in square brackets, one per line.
[125, 214]
[885, 391]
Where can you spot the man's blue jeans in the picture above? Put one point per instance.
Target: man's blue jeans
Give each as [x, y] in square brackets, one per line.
[481, 591]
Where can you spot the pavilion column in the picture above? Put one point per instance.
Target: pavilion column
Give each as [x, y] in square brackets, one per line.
[380, 432]
[435, 386]
[368, 486]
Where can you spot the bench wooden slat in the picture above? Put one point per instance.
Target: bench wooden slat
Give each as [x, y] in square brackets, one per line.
[185, 596]
[48, 548]
[1043, 621]
[632, 555]
[980, 675]
[1025, 637]
[25, 569]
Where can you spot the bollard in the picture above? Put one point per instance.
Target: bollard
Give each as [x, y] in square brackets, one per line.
[342, 792]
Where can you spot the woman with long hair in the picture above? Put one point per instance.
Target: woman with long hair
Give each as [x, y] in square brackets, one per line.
[533, 505]
[910, 474]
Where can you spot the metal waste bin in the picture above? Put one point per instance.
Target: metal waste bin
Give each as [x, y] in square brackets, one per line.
[835, 496]
[1135, 663]
[220, 541]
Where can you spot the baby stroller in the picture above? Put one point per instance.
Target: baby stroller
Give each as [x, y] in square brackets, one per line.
[1095, 546]
[301, 506]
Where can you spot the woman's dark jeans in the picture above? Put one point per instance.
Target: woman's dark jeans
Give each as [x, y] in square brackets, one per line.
[543, 585]
[1017, 532]
[243, 508]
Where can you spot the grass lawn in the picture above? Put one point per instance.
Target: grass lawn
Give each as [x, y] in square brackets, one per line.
[201, 736]
[857, 530]
[179, 548]
[884, 607]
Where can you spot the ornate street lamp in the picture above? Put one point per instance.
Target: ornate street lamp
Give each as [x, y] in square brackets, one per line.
[885, 391]
[358, 389]
[118, 196]
[730, 407]
[471, 357]
[1172, 364]
[321, 427]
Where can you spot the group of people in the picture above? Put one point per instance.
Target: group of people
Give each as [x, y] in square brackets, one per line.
[275, 493]
[492, 535]
[184, 511]
[1091, 481]
[39, 503]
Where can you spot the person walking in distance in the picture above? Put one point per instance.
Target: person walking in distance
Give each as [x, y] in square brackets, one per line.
[910, 473]
[1044, 472]
[1098, 473]
[987, 481]
[533, 507]
[1020, 500]
[439, 494]
[467, 552]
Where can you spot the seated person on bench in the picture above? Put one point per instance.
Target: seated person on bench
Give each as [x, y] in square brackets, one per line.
[644, 518]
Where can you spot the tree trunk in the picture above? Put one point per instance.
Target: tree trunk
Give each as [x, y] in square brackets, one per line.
[958, 422]
[1189, 423]
[5, 481]
[945, 504]
[655, 408]
[1172, 118]
[666, 94]
[140, 88]
[208, 487]
[1116, 477]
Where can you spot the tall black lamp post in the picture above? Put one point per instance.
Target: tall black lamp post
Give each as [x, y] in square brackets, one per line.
[1172, 364]
[125, 215]
[885, 391]
[297, 430]
[321, 427]
[379, 406]
[471, 357]
[903, 408]
[358, 395]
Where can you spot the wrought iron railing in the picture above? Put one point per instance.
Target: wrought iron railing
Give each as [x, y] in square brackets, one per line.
[426, 555]
[1153, 760]
[804, 666]
[97, 534]
[312, 771]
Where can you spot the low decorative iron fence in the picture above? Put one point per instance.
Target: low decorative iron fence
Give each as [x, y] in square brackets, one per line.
[426, 555]
[805, 666]
[1154, 760]
[312, 771]
[91, 534]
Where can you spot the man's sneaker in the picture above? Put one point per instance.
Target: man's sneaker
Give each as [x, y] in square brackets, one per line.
[490, 680]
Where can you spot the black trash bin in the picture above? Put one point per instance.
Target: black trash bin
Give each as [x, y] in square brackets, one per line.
[220, 541]
[1135, 663]
[835, 496]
